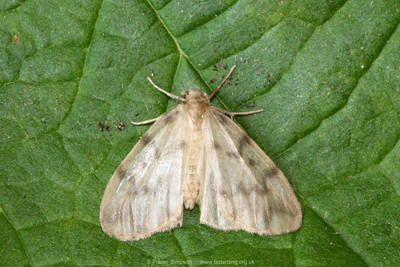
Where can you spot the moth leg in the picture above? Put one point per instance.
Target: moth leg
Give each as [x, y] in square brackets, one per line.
[144, 122]
[230, 113]
[162, 90]
[223, 81]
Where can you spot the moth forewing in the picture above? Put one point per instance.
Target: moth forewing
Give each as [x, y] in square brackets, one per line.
[244, 188]
[144, 195]
[196, 154]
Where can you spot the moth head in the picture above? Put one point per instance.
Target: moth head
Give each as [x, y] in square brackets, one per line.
[194, 95]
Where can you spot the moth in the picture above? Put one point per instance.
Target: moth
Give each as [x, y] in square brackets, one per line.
[195, 154]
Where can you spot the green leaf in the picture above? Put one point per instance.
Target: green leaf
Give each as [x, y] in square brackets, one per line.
[327, 74]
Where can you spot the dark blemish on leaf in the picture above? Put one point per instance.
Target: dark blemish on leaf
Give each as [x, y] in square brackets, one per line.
[120, 126]
[251, 105]
[24, 196]
[212, 80]
[103, 126]
[15, 38]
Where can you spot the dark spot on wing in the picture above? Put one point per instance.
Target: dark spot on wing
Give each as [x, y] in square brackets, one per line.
[224, 193]
[143, 164]
[130, 179]
[292, 211]
[243, 142]
[233, 214]
[271, 172]
[242, 189]
[168, 213]
[169, 118]
[233, 155]
[144, 190]
[120, 172]
[216, 145]
[223, 119]
[246, 138]
[252, 162]
[266, 215]
[182, 144]
[157, 152]
[289, 210]
[261, 191]
[280, 209]
[145, 139]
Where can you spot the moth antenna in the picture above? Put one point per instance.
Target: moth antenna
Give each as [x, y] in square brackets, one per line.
[162, 90]
[223, 81]
[231, 114]
[144, 122]
[180, 96]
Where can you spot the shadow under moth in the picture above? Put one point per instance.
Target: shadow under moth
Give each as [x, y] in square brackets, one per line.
[195, 154]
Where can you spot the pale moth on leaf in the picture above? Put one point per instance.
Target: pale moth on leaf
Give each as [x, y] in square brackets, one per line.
[195, 154]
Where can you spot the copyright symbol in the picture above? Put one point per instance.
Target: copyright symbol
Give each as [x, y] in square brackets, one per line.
[148, 261]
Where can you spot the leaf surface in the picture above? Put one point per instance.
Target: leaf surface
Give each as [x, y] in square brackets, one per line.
[327, 74]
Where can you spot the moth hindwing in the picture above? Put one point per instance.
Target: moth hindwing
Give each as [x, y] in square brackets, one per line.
[195, 154]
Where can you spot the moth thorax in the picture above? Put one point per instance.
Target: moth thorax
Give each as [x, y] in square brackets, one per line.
[196, 102]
